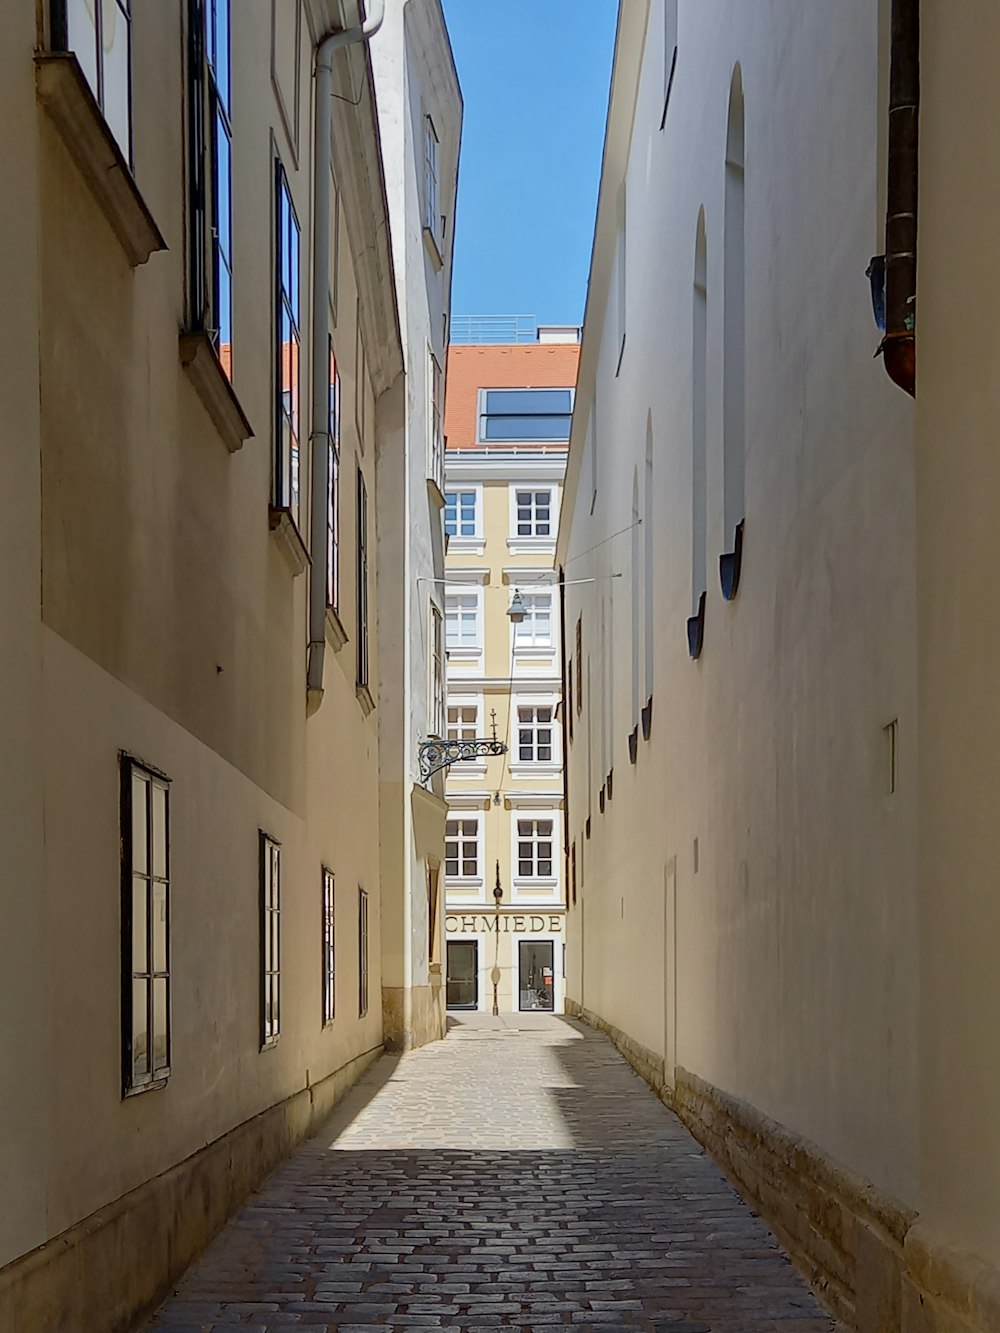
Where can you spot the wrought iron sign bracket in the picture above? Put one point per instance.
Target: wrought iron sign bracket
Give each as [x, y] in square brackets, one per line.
[437, 754]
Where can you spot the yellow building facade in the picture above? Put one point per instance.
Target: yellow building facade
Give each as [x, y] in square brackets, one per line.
[507, 424]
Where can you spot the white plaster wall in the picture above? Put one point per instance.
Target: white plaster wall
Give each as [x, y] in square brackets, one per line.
[958, 480]
[414, 77]
[795, 938]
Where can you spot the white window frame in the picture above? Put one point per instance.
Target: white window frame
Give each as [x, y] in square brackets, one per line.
[93, 58]
[432, 158]
[463, 881]
[534, 768]
[525, 886]
[438, 660]
[465, 652]
[467, 768]
[435, 429]
[519, 544]
[555, 442]
[473, 544]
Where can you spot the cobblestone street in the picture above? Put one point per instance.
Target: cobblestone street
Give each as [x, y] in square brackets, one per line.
[518, 1175]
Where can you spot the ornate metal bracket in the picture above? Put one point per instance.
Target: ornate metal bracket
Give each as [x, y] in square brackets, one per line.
[438, 754]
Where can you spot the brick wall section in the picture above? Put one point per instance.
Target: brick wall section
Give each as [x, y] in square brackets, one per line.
[472, 367]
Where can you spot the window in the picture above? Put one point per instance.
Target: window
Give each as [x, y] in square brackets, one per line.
[462, 622]
[288, 350]
[362, 952]
[433, 904]
[569, 697]
[460, 513]
[437, 423]
[528, 415]
[647, 541]
[534, 848]
[579, 665]
[432, 219]
[333, 491]
[461, 848]
[533, 513]
[699, 441]
[145, 842]
[211, 151]
[572, 882]
[734, 341]
[329, 949]
[437, 672]
[99, 33]
[534, 734]
[270, 940]
[359, 378]
[463, 722]
[535, 630]
[362, 590]
[622, 274]
[669, 53]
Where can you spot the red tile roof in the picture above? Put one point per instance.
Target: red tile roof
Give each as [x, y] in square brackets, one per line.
[472, 366]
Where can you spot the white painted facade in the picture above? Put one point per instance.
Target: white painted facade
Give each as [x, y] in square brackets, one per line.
[749, 867]
[419, 101]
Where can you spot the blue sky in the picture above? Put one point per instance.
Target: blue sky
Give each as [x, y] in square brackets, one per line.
[534, 77]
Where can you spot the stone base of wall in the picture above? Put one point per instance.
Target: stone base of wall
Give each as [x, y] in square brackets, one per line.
[112, 1269]
[867, 1256]
[426, 1021]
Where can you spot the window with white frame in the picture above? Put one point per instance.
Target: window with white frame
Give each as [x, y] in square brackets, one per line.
[535, 848]
[463, 721]
[270, 940]
[437, 422]
[535, 733]
[100, 36]
[432, 220]
[461, 847]
[533, 512]
[329, 947]
[460, 513]
[535, 630]
[539, 416]
[462, 622]
[437, 672]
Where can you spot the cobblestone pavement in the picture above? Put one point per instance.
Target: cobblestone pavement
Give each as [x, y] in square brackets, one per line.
[517, 1175]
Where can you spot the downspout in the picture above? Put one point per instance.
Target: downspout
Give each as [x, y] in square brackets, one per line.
[899, 344]
[319, 433]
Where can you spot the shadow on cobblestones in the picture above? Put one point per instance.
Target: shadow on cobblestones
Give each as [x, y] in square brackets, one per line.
[498, 1179]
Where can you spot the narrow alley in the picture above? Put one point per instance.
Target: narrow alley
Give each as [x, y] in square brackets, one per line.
[414, 1208]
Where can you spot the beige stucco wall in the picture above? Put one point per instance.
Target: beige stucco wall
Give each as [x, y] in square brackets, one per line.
[958, 480]
[752, 878]
[149, 608]
[497, 681]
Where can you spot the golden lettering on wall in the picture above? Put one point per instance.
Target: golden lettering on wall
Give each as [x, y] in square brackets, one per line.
[507, 923]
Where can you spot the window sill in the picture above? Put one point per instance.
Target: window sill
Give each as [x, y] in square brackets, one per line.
[466, 546]
[204, 369]
[269, 1043]
[466, 768]
[647, 719]
[531, 545]
[365, 699]
[461, 882]
[289, 540]
[547, 884]
[633, 744]
[433, 249]
[336, 635]
[154, 1085]
[65, 94]
[435, 493]
[534, 770]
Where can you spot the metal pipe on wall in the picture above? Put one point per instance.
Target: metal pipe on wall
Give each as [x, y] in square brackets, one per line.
[899, 344]
[319, 433]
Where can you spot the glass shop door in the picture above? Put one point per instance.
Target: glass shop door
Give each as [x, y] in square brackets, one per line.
[537, 977]
[462, 985]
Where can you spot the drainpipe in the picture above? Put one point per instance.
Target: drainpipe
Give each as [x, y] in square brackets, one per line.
[319, 433]
[899, 344]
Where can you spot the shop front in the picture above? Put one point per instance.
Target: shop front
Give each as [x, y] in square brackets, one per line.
[524, 949]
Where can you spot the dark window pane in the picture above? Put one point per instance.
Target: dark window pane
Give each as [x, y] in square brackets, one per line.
[140, 1029]
[161, 1019]
[140, 963]
[526, 428]
[525, 402]
[138, 798]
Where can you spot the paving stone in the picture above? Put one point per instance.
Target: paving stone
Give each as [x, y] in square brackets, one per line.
[515, 1175]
